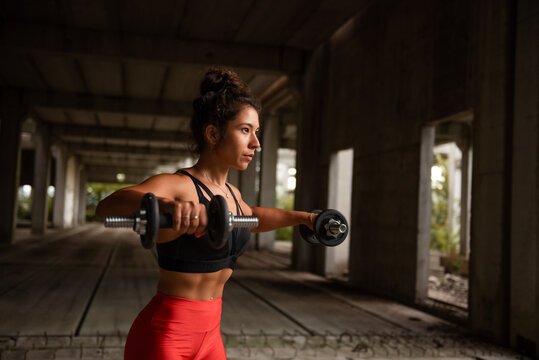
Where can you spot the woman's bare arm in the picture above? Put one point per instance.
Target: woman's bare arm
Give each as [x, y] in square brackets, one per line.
[127, 200]
[271, 219]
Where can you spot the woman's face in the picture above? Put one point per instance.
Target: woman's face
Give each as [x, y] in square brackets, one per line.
[240, 142]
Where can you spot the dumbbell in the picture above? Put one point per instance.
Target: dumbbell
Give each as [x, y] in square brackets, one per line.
[330, 228]
[147, 221]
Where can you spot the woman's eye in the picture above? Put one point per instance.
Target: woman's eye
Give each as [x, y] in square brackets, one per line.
[245, 130]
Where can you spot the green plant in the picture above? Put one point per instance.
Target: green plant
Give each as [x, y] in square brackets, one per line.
[442, 236]
[24, 204]
[95, 192]
[285, 201]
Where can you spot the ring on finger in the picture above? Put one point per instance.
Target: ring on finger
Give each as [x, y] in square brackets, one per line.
[194, 217]
[185, 217]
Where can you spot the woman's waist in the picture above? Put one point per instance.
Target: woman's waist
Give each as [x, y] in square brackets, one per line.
[193, 286]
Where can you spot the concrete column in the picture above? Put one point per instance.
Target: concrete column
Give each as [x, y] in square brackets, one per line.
[465, 198]
[424, 213]
[82, 196]
[41, 181]
[524, 258]
[247, 182]
[491, 185]
[11, 118]
[340, 198]
[247, 187]
[268, 175]
[310, 193]
[234, 177]
[71, 190]
[76, 193]
[60, 154]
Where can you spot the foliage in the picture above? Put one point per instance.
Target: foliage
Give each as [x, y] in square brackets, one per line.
[95, 192]
[442, 236]
[285, 200]
[24, 205]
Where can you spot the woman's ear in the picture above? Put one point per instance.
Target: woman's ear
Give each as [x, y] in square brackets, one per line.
[212, 135]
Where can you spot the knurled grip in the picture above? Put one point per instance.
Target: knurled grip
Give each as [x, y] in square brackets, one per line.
[123, 222]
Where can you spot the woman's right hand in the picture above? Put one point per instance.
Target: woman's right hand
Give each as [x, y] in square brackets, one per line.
[188, 217]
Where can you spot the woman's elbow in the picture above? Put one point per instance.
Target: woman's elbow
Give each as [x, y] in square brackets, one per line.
[100, 211]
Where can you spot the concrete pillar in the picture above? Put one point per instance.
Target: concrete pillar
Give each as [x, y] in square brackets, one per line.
[309, 94]
[11, 118]
[41, 181]
[524, 258]
[71, 190]
[234, 177]
[340, 198]
[491, 185]
[268, 175]
[82, 196]
[465, 197]
[60, 154]
[424, 213]
[247, 182]
[247, 186]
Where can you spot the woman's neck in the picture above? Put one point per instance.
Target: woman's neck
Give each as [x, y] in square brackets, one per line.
[211, 169]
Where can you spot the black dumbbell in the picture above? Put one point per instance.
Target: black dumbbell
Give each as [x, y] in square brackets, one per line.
[330, 228]
[147, 221]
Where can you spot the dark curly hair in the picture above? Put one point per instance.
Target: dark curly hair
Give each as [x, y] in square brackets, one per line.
[222, 96]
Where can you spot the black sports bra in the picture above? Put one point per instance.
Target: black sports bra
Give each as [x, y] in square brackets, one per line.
[195, 255]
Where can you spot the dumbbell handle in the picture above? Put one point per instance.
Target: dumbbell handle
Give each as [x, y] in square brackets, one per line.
[241, 221]
[138, 223]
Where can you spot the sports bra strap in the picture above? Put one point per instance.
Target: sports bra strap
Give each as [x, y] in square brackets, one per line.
[201, 198]
[238, 207]
[198, 184]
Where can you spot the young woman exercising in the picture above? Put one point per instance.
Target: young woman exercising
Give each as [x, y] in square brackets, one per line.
[182, 321]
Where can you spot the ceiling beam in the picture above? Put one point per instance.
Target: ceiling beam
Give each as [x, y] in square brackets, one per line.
[146, 151]
[125, 162]
[107, 174]
[78, 43]
[62, 130]
[101, 103]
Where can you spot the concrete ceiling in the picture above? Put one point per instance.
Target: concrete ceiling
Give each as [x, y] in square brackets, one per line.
[115, 80]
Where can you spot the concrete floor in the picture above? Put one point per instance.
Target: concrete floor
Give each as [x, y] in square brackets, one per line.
[74, 293]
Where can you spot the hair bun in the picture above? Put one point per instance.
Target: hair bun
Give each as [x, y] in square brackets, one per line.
[218, 79]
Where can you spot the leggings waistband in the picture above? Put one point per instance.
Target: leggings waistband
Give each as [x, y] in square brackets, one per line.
[180, 314]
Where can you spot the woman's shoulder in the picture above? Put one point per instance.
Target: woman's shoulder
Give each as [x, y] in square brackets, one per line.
[173, 185]
[235, 190]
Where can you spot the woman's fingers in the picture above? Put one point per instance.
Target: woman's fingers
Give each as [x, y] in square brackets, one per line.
[187, 217]
[193, 218]
[312, 219]
[202, 221]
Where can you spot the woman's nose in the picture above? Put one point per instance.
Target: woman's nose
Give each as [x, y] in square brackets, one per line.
[254, 142]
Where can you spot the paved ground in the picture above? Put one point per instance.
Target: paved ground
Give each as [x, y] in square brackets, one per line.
[72, 294]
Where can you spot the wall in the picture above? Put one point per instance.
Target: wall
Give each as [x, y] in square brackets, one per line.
[399, 75]
[381, 79]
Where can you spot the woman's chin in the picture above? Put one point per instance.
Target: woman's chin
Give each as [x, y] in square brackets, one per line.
[241, 165]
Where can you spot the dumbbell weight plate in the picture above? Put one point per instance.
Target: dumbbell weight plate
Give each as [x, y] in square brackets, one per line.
[321, 231]
[218, 217]
[307, 234]
[150, 204]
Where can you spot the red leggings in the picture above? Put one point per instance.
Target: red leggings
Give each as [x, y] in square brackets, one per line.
[170, 327]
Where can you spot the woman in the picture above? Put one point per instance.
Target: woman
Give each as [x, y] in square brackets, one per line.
[182, 321]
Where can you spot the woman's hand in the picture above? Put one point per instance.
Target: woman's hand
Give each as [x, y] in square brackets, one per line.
[188, 217]
[311, 220]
